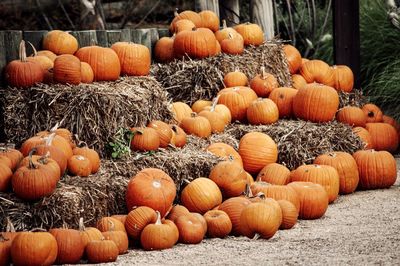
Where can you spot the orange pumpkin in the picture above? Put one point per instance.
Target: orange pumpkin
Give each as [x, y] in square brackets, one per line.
[199, 105]
[352, 116]
[57, 141]
[79, 165]
[209, 20]
[49, 54]
[70, 245]
[134, 58]
[87, 75]
[391, 121]
[264, 84]
[120, 238]
[225, 151]
[298, 81]
[373, 113]
[176, 211]
[225, 32]
[191, 230]
[179, 137]
[252, 33]
[163, 130]
[137, 219]
[164, 49]
[293, 57]
[365, 137]
[180, 110]
[216, 120]
[187, 14]
[145, 139]
[283, 98]
[60, 42]
[196, 125]
[44, 61]
[234, 207]
[277, 192]
[5, 177]
[384, 136]
[196, 43]
[230, 178]
[232, 45]
[235, 78]
[101, 251]
[67, 69]
[237, 99]
[262, 112]
[344, 78]
[183, 24]
[218, 223]
[88, 234]
[318, 71]
[223, 110]
[15, 156]
[91, 155]
[107, 223]
[53, 152]
[289, 214]
[274, 173]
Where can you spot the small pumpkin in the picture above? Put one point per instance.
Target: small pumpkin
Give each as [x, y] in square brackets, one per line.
[199, 105]
[344, 78]
[202, 221]
[196, 125]
[191, 231]
[5, 177]
[391, 121]
[232, 45]
[262, 112]
[252, 33]
[53, 152]
[196, 43]
[318, 71]
[88, 234]
[5, 250]
[283, 98]
[235, 78]
[60, 42]
[87, 74]
[263, 84]
[209, 20]
[180, 110]
[373, 113]
[49, 54]
[351, 115]
[107, 223]
[225, 151]
[187, 14]
[216, 120]
[119, 237]
[79, 165]
[145, 139]
[218, 223]
[233, 207]
[164, 49]
[383, 136]
[15, 156]
[293, 57]
[176, 211]
[101, 251]
[91, 155]
[237, 99]
[223, 110]
[134, 58]
[184, 24]
[70, 245]
[225, 32]
[137, 219]
[51, 165]
[278, 192]
[44, 61]
[67, 69]
[163, 130]
[365, 137]
[57, 141]
[298, 81]
[179, 137]
[289, 214]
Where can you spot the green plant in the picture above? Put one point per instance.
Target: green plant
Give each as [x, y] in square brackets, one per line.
[120, 145]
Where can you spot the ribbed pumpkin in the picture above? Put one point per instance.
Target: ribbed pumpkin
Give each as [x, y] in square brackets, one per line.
[318, 71]
[88, 234]
[5, 161]
[183, 24]
[262, 112]
[237, 99]
[107, 223]
[260, 218]
[225, 151]
[49, 54]
[278, 192]
[51, 165]
[364, 135]
[216, 120]
[60, 42]
[187, 14]
[164, 49]
[104, 62]
[201, 195]
[87, 74]
[373, 113]
[180, 110]
[223, 110]
[232, 45]
[120, 238]
[209, 20]
[191, 230]
[79, 165]
[91, 154]
[325, 175]
[351, 115]
[224, 33]
[344, 78]
[53, 152]
[5, 177]
[101, 251]
[15, 156]
[196, 43]
[252, 33]
[196, 125]
[257, 150]
[298, 81]
[289, 214]
[391, 121]
[234, 207]
[346, 167]
[383, 136]
[179, 137]
[283, 98]
[311, 99]
[377, 169]
[137, 219]
[5, 249]
[313, 199]
[274, 173]
[235, 78]
[218, 223]
[163, 130]
[153, 188]
[263, 84]
[293, 57]
[199, 105]
[67, 69]
[23, 73]
[230, 178]
[134, 58]
[45, 62]
[177, 211]
[145, 139]
[70, 245]
[57, 141]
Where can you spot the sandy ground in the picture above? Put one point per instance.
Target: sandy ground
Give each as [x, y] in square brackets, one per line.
[358, 229]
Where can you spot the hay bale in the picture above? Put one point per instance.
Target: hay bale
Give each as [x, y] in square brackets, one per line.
[189, 80]
[354, 98]
[94, 112]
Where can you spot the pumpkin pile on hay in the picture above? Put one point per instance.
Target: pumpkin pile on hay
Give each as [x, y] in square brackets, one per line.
[190, 80]
[103, 194]
[94, 112]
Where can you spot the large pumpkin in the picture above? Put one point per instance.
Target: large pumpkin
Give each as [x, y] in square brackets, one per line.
[283, 98]
[257, 150]
[137, 219]
[262, 112]
[153, 188]
[351, 115]
[274, 173]
[384, 136]
[197, 43]
[230, 178]
[60, 42]
[104, 62]
[317, 71]
[373, 113]
[316, 103]
[252, 33]
[67, 69]
[365, 137]
[344, 78]
[377, 169]
[293, 57]
[134, 58]
[145, 139]
[70, 245]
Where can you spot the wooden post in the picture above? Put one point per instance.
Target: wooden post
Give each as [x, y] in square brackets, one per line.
[3, 58]
[346, 31]
[85, 37]
[163, 33]
[212, 5]
[35, 38]
[126, 35]
[229, 10]
[102, 39]
[12, 39]
[113, 36]
[262, 13]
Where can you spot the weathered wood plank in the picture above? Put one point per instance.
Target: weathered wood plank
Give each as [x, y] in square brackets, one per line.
[163, 33]
[85, 37]
[212, 5]
[126, 35]
[230, 11]
[262, 13]
[102, 38]
[12, 40]
[35, 38]
[113, 36]
[3, 58]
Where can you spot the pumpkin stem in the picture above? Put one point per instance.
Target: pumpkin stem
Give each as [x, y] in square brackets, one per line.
[57, 125]
[10, 226]
[193, 114]
[263, 73]
[176, 14]
[49, 139]
[3, 238]
[256, 236]
[224, 26]
[215, 102]
[247, 191]
[370, 114]
[38, 229]
[44, 158]
[158, 222]
[32, 165]
[33, 48]
[332, 154]
[81, 224]
[22, 51]
[112, 226]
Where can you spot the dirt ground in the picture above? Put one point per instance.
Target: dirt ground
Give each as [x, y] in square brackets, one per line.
[358, 229]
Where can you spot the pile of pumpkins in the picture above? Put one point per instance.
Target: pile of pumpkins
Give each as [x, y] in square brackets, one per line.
[33, 171]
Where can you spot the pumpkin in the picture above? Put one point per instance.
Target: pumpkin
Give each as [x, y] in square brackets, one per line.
[101, 251]
[250, 179]
[344, 78]
[184, 24]
[23, 73]
[104, 62]
[313, 199]
[109, 224]
[257, 150]
[235, 78]
[57, 141]
[318, 71]
[44, 61]
[178, 138]
[196, 43]
[66, 134]
[88, 234]
[346, 167]
[49, 54]
[255, 188]
[26, 250]
[260, 218]
[233, 207]
[196, 125]
[252, 33]
[283, 98]
[87, 74]
[134, 58]
[201, 195]
[145, 139]
[187, 14]
[5, 161]
[391, 121]
[365, 137]
[373, 113]
[216, 120]
[5, 250]
[352, 116]
[79, 165]
[232, 45]
[209, 20]
[325, 175]
[60, 42]
[191, 230]
[377, 169]
[180, 110]
[262, 112]
[120, 217]
[311, 99]
[91, 155]
[237, 99]
[137, 219]
[163, 130]
[199, 105]
[119, 237]
[153, 188]
[218, 223]
[278, 192]
[298, 81]
[159, 235]
[383, 136]
[222, 110]
[202, 221]
[225, 32]
[176, 211]
[263, 84]
[70, 246]
[53, 152]
[50, 164]
[15, 156]
[289, 214]
[225, 151]
[293, 57]
[67, 69]
[164, 49]
[5, 177]
[229, 177]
